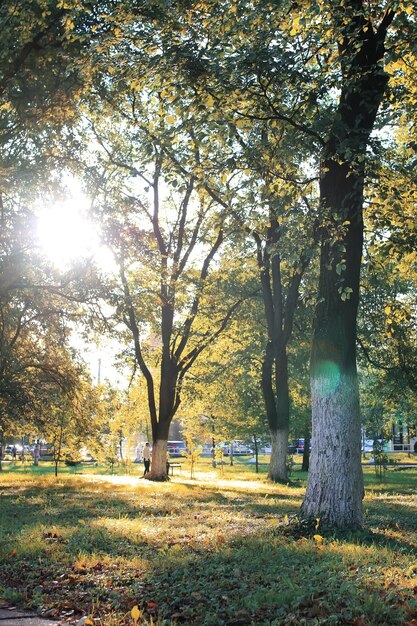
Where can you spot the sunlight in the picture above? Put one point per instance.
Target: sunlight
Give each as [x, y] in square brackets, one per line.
[64, 232]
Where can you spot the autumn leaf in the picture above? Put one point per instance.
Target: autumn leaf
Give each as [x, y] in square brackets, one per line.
[412, 570]
[136, 613]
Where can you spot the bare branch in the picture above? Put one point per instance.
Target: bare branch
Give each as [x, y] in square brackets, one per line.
[194, 308]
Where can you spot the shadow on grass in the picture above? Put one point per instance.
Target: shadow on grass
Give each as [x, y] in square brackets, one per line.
[200, 554]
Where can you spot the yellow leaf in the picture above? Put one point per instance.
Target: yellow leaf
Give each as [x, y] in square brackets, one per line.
[170, 119]
[318, 538]
[412, 570]
[136, 613]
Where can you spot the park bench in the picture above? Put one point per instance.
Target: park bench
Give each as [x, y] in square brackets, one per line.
[171, 467]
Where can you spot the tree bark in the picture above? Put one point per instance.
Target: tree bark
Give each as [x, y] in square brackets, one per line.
[278, 471]
[279, 448]
[159, 460]
[278, 427]
[158, 470]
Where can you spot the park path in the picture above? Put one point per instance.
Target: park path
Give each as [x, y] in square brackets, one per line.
[12, 617]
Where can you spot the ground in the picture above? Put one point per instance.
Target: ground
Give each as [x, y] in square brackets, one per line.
[225, 548]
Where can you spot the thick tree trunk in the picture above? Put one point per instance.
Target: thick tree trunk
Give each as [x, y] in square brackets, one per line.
[160, 427]
[335, 484]
[159, 461]
[335, 488]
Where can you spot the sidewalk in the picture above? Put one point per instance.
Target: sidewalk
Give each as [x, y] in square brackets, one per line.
[13, 617]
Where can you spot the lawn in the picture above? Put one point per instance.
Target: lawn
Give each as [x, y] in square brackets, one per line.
[221, 549]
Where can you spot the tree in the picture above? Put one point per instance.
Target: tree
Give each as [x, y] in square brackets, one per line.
[335, 495]
[39, 78]
[66, 419]
[165, 239]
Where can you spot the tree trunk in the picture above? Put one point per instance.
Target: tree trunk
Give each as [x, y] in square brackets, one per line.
[159, 451]
[160, 428]
[278, 410]
[306, 452]
[335, 483]
[278, 464]
[255, 443]
[159, 461]
[1, 449]
[335, 486]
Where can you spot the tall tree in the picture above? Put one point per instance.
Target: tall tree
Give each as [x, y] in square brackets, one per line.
[335, 484]
[166, 235]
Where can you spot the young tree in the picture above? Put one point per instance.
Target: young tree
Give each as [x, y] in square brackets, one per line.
[67, 418]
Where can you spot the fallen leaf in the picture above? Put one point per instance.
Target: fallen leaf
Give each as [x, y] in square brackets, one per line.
[135, 613]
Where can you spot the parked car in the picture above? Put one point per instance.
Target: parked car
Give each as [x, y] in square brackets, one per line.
[238, 447]
[9, 448]
[296, 446]
[176, 449]
[368, 445]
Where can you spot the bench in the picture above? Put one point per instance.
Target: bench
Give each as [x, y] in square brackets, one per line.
[172, 465]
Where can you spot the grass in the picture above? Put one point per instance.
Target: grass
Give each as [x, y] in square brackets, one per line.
[222, 549]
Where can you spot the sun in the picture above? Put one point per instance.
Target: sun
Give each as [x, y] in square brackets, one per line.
[64, 232]
[65, 235]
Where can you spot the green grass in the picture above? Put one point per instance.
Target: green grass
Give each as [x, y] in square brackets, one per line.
[222, 549]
